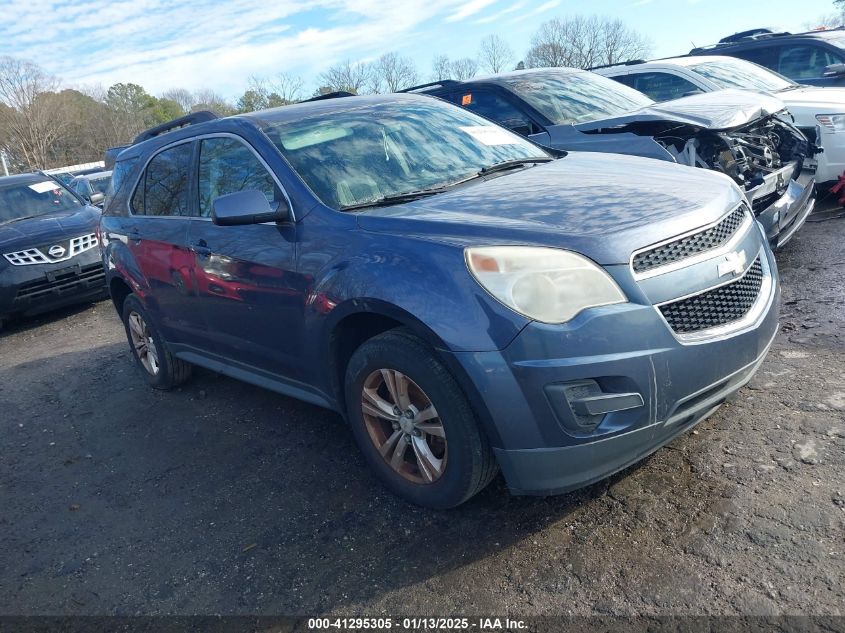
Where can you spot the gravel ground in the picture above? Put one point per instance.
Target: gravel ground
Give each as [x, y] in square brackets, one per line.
[222, 498]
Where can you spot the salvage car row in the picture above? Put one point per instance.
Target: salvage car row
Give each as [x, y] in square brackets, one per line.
[551, 276]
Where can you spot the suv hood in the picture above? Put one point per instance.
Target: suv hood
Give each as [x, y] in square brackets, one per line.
[44, 229]
[604, 206]
[719, 110]
[808, 96]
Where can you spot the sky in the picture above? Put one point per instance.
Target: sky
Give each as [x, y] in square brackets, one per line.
[215, 44]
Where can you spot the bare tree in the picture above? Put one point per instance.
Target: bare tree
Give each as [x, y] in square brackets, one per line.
[346, 76]
[33, 119]
[464, 68]
[206, 99]
[584, 42]
[390, 73]
[495, 54]
[182, 96]
[280, 89]
[441, 68]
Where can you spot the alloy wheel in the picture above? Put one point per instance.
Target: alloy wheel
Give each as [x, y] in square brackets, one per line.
[143, 343]
[404, 426]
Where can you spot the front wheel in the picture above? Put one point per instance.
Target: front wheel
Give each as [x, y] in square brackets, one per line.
[414, 424]
[159, 367]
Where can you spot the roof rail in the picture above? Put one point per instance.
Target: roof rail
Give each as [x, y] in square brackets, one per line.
[189, 119]
[337, 94]
[630, 62]
[752, 34]
[433, 84]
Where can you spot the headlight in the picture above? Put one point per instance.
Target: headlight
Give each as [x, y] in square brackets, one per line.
[832, 122]
[544, 284]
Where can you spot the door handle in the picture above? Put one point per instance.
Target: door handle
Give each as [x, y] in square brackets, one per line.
[134, 234]
[201, 248]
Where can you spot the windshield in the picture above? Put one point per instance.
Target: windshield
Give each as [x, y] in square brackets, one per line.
[575, 96]
[743, 75]
[373, 151]
[28, 199]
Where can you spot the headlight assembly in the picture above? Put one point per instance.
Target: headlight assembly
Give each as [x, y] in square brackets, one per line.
[544, 284]
[832, 122]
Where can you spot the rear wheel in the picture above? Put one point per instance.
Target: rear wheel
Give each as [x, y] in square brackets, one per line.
[160, 368]
[414, 424]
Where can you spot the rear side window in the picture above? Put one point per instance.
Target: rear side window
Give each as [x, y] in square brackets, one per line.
[662, 86]
[767, 57]
[626, 80]
[164, 187]
[121, 170]
[226, 166]
[496, 108]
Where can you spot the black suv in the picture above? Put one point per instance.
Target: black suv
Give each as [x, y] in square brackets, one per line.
[816, 58]
[48, 246]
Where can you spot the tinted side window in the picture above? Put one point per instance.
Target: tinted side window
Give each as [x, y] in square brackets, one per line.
[227, 166]
[119, 173]
[165, 184]
[494, 107]
[663, 86]
[767, 57]
[626, 80]
[805, 62]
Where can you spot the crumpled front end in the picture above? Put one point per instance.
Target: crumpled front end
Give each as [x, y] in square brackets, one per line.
[765, 158]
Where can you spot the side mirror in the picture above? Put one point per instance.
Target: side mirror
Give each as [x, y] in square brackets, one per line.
[246, 207]
[96, 198]
[835, 69]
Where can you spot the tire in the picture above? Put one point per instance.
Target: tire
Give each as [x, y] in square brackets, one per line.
[159, 367]
[441, 458]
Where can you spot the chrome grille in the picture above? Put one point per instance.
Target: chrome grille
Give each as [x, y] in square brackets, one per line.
[715, 307]
[690, 245]
[42, 255]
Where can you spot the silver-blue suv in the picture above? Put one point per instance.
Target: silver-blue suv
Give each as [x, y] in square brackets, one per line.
[467, 300]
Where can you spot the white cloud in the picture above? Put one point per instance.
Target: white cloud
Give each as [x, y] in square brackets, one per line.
[206, 43]
[497, 16]
[470, 8]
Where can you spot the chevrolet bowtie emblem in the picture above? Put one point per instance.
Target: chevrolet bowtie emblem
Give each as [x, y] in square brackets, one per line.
[733, 263]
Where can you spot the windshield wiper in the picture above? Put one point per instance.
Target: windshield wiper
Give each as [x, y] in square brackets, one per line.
[397, 198]
[410, 196]
[516, 162]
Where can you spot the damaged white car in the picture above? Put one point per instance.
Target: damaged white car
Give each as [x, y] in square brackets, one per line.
[744, 135]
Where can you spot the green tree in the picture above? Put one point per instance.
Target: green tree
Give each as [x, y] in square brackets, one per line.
[162, 110]
[252, 100]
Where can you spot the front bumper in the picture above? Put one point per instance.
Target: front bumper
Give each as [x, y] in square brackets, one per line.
[782, 216]
[36, 288]
[662, 385]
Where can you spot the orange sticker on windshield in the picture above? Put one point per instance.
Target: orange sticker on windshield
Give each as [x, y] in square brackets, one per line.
[466, 100]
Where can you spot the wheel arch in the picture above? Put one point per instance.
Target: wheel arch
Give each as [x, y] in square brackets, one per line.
[360, 320]
[118, 291]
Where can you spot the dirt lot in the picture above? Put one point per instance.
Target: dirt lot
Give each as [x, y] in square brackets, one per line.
[221, 498]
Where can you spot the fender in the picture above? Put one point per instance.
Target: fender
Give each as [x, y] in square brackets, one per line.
[382, 308]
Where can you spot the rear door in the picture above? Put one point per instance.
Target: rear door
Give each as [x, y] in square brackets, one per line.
[156, 233]
[247, 287]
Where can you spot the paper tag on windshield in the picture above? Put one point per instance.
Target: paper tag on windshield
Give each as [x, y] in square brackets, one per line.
[44, 187]
[490, 135]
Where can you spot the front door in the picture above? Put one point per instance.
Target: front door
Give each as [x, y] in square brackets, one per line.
[245, 279]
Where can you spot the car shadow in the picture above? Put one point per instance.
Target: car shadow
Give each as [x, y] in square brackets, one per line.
[19, 324]
[217, 497]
